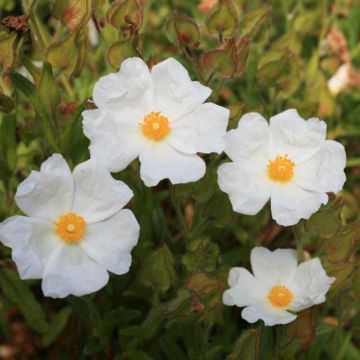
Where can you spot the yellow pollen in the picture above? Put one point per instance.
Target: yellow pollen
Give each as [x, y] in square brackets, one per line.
[281, 169]
[280, 296]
[155, 126]
[70, 227]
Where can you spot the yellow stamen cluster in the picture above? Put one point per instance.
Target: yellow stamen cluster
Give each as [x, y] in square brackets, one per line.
[280, 296]
[281, 169]
[155, 126]
[70, 227]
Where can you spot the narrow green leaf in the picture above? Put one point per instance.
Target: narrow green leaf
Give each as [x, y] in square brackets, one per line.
[19, 294]
[56, 326]
[6, 103]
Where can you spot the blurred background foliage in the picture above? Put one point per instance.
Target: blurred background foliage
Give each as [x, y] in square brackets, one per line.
[263, 56]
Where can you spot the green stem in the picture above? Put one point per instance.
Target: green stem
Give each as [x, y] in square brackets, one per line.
[299, 245]
[178, 212]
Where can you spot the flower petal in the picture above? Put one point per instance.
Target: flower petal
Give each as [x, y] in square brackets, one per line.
[245, 289]
[114, 143]
[175, 94]
[248, 188]
[250, 139]
[131, 85]
[161, 161]
[273, 267]
[269, 315]
[294, 136]
[290, 203]
[110, 242]
[310, 285]
[48, 193]
[202, 130]
[97, 194]
[70, 271]
[325, 170]
[32, 241]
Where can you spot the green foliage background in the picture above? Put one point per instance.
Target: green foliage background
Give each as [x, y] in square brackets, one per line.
[263, 56]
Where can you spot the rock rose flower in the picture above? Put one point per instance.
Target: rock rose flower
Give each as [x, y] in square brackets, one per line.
[159, 117]
[75, 230]
[289, 162]
[278, 287]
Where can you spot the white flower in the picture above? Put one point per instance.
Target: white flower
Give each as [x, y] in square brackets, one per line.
[278, 287]
[158, 116]
[75, 230]
[289, 162]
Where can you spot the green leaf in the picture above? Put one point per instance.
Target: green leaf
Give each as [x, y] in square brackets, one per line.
[158, 270]
[64, 54]
[223, 19]
[202, 256]
[8, 144]
[247, 346]
[30, 91]
[119, 51]
[253, 21]
[48, 91]
[56, 326]
[7, 51]
[19, 294]
[6, 103]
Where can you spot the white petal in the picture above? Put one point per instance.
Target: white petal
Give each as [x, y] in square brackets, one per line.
[161, 161]
[115, 144]
[202, 130]
[324, 172]
[248, 188]
[290, 203]
[175, 94]
[32, 241]
[273, 267]
[294, 136]
[269, 315]
[310, 285]
[110, 242]
[245, 289]
[250, 139]
[70, 271]
[48, 193]
[131, 85]
[97, 194]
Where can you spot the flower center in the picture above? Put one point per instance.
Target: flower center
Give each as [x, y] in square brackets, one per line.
[70, 227]
[280, 296]
[281, 169]
[155, 126]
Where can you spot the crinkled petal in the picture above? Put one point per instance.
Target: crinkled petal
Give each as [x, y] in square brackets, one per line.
[309, 285]
[175, 94]
[245, 289]
[161, 161]
[294, 136]
[273, 267]
[70, 271]
[247, 186]
[115, 144]
[290, 203]
[202, 130]
[270, 316]
[251, 139]
[47, 193]
[110, 242]
[32, 241]
[325, 170]
[97, 194]
[131, 85]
